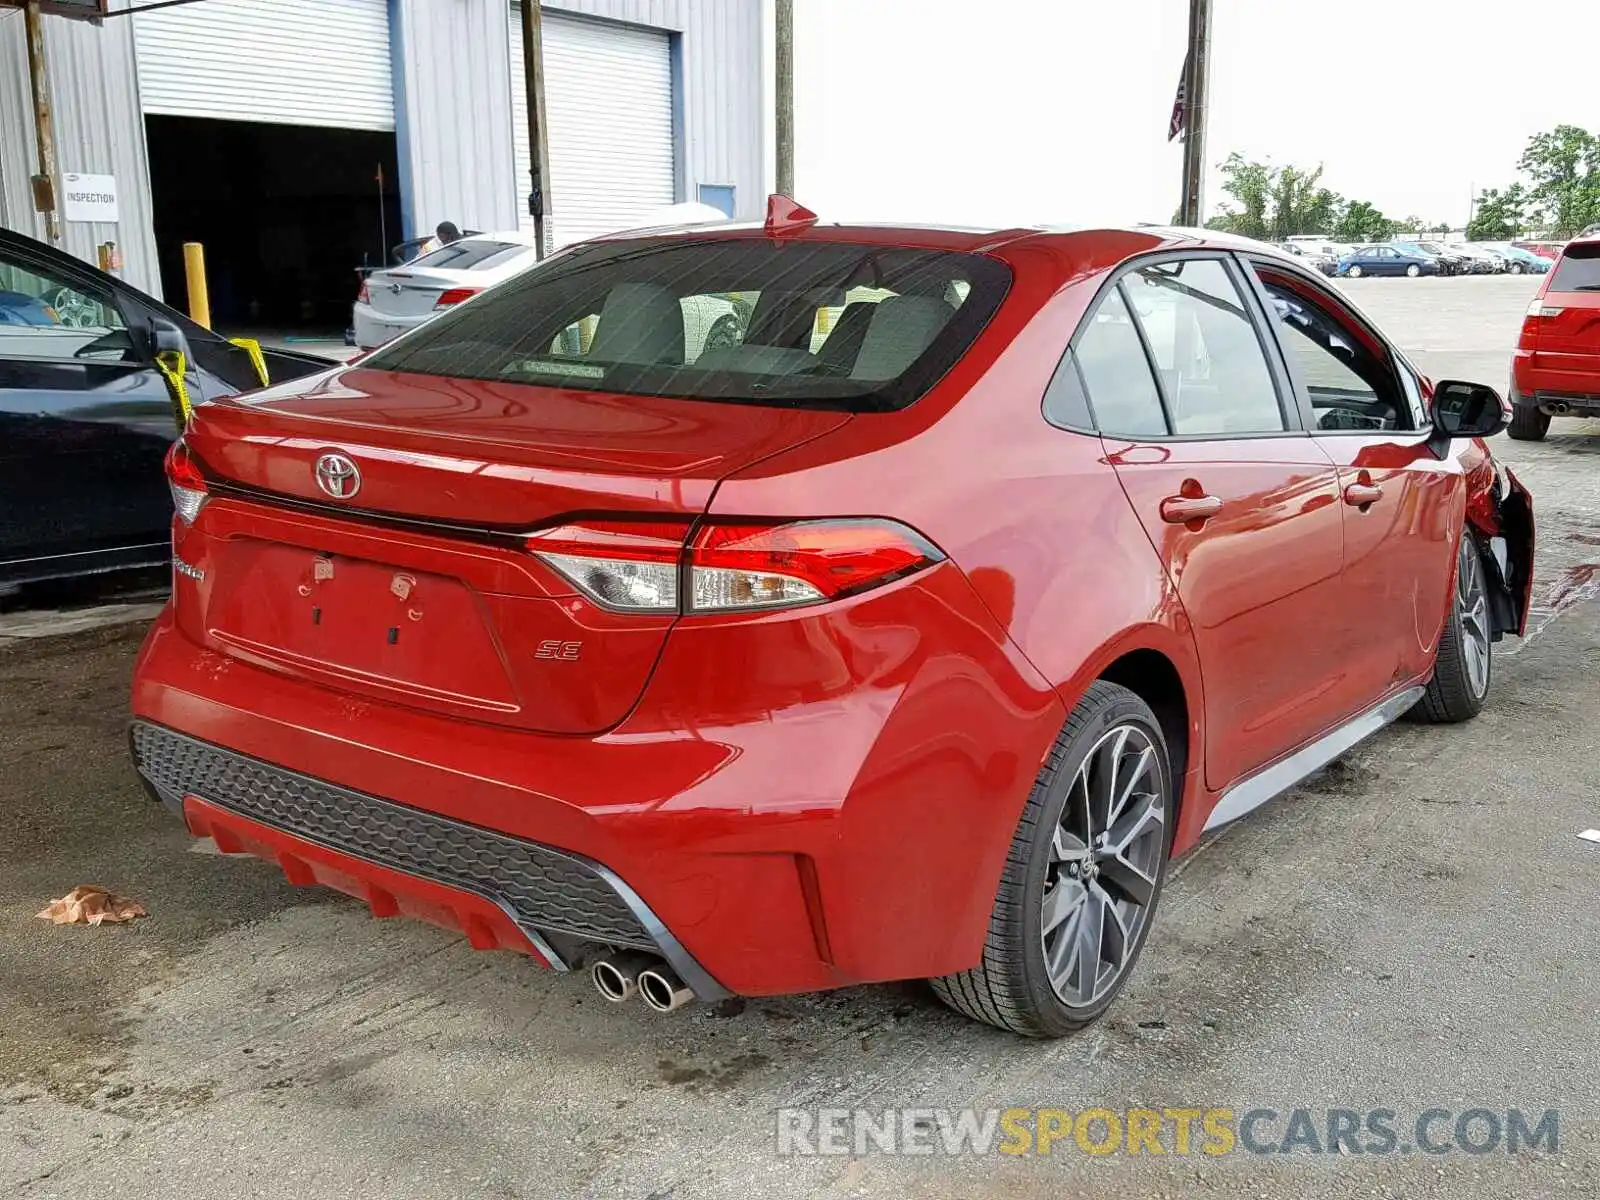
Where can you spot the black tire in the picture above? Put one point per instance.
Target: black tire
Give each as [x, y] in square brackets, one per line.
[1011, 987]
[1413, 271]
[1528, 424]
[1455, 692]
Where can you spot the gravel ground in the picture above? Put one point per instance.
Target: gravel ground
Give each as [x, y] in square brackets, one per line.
[1415, 926]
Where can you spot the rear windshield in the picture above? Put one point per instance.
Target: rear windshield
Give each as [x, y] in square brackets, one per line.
[753, 320]
[1578, 270]
[467, 255]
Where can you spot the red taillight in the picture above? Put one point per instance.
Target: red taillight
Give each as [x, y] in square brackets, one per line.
[452, 296]
[1538, 312]
[762, 566]
[639, 567]
[364, 296]
[185, 482]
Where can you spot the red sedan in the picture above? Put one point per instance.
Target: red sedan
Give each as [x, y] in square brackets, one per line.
[783, 607]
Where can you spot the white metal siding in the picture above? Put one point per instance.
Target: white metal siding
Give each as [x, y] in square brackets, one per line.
[608, 101]
[286, 62]
[455, 152]
[98, 132]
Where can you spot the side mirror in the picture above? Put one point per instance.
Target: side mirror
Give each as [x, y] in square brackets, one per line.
[164, 335]
[1463, 410]
[169, 351]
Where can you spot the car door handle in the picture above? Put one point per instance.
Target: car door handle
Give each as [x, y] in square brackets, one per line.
[1359, 495]
[1179, 510]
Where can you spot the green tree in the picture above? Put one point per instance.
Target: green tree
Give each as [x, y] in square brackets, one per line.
[1362, 222]
[1499, 215]
[1250, 184]
[1564, 165]
[1273, 203]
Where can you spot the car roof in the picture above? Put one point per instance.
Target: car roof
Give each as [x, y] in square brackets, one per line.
[972, 239]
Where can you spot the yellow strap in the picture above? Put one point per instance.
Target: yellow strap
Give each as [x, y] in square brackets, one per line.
[258, 360]
[172, 367]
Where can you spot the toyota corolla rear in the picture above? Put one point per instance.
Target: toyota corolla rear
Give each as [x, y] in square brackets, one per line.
[461, 631]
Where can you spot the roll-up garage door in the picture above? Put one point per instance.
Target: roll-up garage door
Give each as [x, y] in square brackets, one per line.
[608, 103]
[286, 62]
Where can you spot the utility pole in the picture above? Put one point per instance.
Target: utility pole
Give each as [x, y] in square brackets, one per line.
[784, 96]
[1196, 78]
[44, 183]
[538, 147]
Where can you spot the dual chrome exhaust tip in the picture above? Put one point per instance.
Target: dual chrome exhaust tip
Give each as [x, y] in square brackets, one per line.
[621, 977]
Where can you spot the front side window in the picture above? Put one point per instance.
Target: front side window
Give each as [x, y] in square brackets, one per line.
[1351, 389]
[1207, 352]
[751, 320]
[45, 318]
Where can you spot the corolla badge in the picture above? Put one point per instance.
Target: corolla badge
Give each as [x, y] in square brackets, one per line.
[338, 476]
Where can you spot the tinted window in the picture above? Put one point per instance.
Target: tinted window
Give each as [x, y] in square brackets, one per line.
[1578, 270]
[1213, 370]
[42, 317]
[1350, 388]
[1116, 373]
[721, 319]
[471, 254]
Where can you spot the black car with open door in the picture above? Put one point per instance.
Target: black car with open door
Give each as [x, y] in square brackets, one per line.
[86, 414]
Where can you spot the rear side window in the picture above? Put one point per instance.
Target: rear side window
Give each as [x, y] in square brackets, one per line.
[1578, 270]
[1213, 371]
[753, 320]
[471, 254]
[1116, 373]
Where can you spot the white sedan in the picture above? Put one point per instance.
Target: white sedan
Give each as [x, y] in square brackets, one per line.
[398, 299]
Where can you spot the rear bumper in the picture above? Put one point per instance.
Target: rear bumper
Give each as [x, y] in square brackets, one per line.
[373, 330]
[1566, 384]
[791, 823]
[502, 893]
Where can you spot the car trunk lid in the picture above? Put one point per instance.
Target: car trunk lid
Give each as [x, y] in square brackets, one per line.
[417, 587]
[409, 292]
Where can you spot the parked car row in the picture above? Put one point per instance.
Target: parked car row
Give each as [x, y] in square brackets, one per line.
[1411, 257]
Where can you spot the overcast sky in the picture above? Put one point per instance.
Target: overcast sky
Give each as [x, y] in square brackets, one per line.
[1027, 111]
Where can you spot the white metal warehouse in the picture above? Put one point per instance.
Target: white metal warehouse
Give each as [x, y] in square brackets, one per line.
[287, 132]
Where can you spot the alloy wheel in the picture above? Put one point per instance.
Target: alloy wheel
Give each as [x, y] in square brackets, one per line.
[1472, 601]
[1105, 860]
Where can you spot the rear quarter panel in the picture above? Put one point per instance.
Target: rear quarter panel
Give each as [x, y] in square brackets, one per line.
[1033, 515]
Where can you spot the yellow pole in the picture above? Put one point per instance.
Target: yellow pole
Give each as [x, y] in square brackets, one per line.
[194, 269]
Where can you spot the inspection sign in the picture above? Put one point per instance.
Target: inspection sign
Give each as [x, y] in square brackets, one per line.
[90, 197]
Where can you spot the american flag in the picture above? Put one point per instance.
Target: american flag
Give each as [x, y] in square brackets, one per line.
[1180, 103]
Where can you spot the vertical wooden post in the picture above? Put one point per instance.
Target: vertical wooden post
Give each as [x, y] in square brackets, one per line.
[538, 147]
[44, 183]
[784, 96]
[1196, 84]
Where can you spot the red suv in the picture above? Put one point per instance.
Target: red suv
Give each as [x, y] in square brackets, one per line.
[785, 607]
[1556, 368]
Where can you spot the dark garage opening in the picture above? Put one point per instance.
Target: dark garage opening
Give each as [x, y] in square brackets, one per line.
[286, 214]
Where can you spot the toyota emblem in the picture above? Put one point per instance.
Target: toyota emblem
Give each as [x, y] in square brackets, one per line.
[338, 476]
